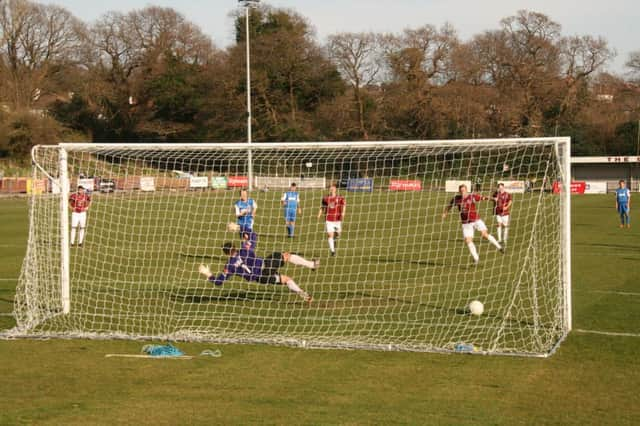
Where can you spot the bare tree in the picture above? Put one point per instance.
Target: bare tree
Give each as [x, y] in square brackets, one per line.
[581, 56]
[159, 31]
[37, 40]
[131, 50]
[633, 63]
[421, 56]
[531, 60]
[357, 56]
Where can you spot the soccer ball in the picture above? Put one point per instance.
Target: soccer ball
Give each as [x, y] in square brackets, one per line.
[476, 308]
[233, 227]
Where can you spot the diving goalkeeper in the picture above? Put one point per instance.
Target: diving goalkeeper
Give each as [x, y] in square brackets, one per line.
[245, 263]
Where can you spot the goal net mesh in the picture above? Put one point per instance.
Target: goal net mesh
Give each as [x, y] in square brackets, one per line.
[402, 278]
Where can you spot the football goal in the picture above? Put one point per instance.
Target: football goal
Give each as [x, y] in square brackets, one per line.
[403, 275]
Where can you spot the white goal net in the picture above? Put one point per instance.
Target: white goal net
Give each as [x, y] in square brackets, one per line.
[402, 277]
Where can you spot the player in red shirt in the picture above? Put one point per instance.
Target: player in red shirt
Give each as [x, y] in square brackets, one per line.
[503, 202]
[79, 203]
[466, 203]
[333, 208]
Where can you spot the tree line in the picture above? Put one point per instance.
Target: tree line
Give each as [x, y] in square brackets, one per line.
[150, 75]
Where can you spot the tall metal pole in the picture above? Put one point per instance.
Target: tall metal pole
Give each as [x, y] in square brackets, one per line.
[637, 168]
[247, 5]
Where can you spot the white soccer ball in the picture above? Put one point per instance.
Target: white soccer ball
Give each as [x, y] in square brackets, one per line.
[476, 308]
[233, 227]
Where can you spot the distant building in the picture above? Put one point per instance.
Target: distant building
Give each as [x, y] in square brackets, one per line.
[608, 169]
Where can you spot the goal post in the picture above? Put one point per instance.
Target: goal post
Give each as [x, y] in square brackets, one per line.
[564, 149]
[402, 277]
[64, 233]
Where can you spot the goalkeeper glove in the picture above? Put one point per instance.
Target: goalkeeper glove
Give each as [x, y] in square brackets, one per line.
[204, 270]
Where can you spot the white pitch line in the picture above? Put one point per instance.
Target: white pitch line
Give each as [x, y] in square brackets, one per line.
[619, 293]
[8, 279]
[608, 333]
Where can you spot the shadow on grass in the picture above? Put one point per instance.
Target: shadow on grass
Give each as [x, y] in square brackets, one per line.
[609, 246]
[204, 256]
[412, 262]
[461, 311]
[221, 295]
[9, 301]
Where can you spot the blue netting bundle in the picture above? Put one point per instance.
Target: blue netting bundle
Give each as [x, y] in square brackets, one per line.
[162, 350]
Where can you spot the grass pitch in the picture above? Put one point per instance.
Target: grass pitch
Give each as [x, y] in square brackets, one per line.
[402, 277]
[592, 379]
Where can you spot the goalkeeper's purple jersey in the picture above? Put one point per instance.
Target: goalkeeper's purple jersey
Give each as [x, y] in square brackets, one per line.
[245, 263]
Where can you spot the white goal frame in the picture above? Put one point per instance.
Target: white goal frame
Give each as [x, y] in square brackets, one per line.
[562, 147]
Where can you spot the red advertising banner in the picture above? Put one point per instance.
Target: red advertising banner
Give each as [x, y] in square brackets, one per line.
[237, 182]
[405, 185]
[576, 187]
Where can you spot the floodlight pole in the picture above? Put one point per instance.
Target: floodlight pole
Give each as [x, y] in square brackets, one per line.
[247, 4]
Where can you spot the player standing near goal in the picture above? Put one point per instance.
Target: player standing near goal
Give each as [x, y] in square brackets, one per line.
[79, 203]
[623, 203]
[245, 211]
[466, 203]
[245, 263]
[333, 207]
[503, 202]
[291, 203]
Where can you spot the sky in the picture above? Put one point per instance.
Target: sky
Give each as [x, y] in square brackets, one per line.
[615, 20]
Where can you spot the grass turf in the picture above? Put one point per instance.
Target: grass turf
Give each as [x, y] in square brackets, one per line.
[592, 379]
[402, 276]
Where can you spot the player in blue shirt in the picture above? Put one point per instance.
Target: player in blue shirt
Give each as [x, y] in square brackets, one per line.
[245, 211]
[291, 202]
[623, 204]
[245, 263]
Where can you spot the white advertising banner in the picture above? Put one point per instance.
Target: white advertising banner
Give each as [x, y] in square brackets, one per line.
[312, 183]
[147, 184]
[595, 187]
[273, 182]
[86, 184]
[276, 182]
[452, 185]
[513, 186]
[198, 182]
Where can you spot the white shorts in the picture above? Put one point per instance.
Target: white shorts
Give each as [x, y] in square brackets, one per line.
[468, 228]
[502, 220]
[333, 226]
[78, 219]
